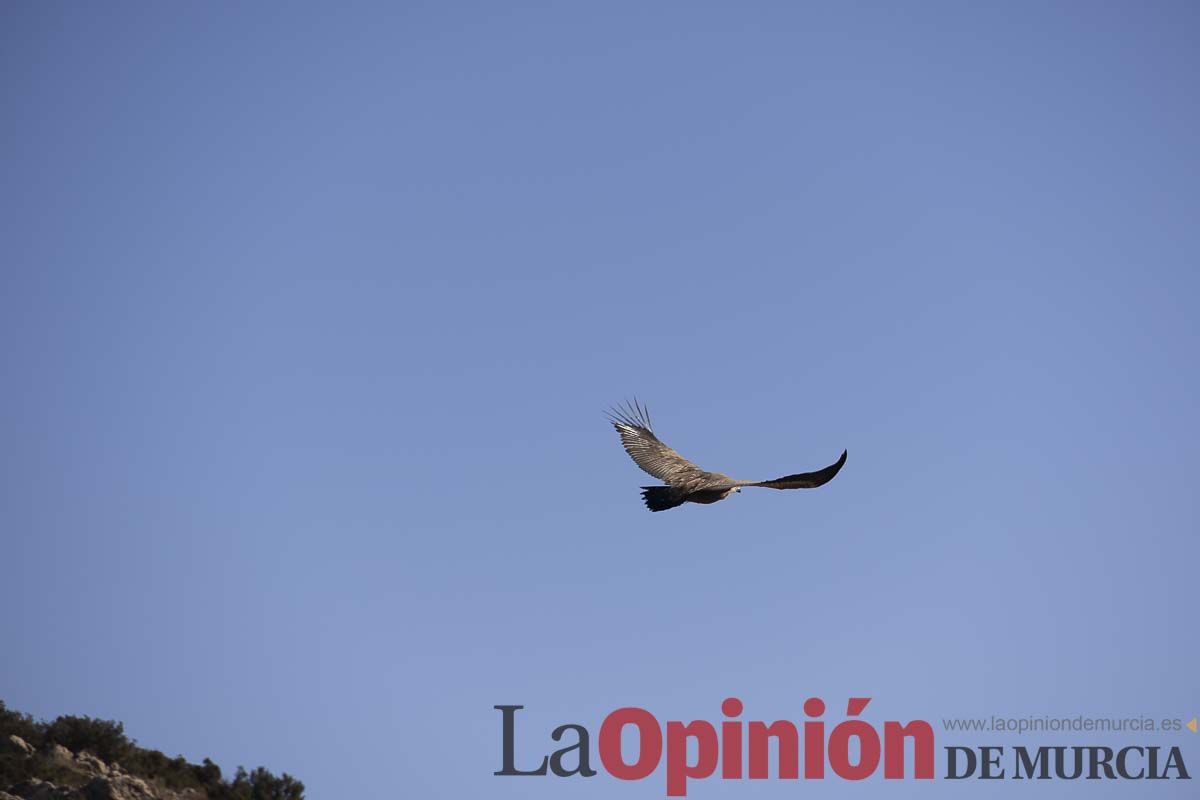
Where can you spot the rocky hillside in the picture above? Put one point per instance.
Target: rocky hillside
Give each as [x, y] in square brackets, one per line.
[79, 758]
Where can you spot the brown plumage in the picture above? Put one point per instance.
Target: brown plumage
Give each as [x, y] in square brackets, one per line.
[686, 482]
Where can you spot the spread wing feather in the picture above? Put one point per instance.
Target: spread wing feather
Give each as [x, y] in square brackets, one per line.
[648, 452]
[805, 480]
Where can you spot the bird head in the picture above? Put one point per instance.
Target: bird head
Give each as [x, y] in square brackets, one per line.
[737, 489]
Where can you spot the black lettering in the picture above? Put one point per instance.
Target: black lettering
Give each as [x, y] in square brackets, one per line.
[510, 724]
[1175, 760]
[1097, 763]
[1041, 760]
[988, 761]
[952, 762]
[1123, 769]
[581, 746]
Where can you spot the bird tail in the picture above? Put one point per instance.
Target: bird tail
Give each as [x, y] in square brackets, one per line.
[660, 498]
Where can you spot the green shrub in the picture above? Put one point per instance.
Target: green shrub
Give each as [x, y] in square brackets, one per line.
[14, 723]
[107, 741]
[102, 738]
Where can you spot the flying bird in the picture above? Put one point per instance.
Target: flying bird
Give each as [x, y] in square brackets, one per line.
[686, 482]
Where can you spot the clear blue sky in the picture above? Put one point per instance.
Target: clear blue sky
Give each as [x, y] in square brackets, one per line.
[309, 315]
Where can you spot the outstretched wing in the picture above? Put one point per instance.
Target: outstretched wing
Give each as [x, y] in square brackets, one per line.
[805, 480]
[633, 423]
